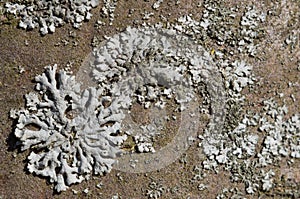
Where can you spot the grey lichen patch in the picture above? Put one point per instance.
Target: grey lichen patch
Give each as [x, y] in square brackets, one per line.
[108, 10]
[235, 28]
[149, 65]
[249, 162]
[235, 143]
[227, 27]
[282, 136]
[155, 190]
[47, 15]
[156, 4]
[69, 132]
[238, 149]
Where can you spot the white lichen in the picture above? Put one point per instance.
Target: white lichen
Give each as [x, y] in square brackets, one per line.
[47, 15]
[155, 191]
[70, 133]
[282, 136]
[108, 9]
[150, 64]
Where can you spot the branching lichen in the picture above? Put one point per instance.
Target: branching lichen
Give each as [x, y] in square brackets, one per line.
[70, 132]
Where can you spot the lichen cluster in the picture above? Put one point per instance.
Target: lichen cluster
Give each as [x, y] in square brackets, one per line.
[70, 133]
[47, 15]
[73, 133]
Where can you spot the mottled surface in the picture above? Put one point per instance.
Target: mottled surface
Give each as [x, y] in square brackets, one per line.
[275, 66]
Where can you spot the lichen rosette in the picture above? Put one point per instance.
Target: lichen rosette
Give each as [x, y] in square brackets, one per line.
[71, 133]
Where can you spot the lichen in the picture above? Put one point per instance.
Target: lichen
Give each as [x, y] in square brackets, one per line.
[47, 15]
[69, 132]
